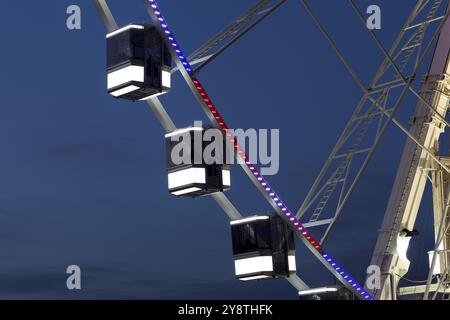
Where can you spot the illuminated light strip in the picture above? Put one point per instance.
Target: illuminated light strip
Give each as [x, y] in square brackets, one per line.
[252, 167]
[249, 219]
[226, 178]
[186, 177]
[182, 131]
[254, 278]
[185, 191]
[125, 75]
[124, 91]
[170, 36]
[253, 265]
[131, 26]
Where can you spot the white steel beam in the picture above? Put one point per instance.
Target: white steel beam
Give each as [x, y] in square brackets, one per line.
[410, 181]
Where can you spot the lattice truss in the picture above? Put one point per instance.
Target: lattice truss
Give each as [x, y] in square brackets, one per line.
[367, 125]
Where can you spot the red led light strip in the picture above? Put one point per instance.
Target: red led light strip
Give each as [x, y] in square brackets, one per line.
[221, 122]
[253, 168]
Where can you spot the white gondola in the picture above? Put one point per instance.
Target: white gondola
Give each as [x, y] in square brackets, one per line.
[194, 178]
[263, 248]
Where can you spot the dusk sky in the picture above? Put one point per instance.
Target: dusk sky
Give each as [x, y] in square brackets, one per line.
[83, 175]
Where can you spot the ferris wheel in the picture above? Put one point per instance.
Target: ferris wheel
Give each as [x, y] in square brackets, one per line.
[141, 61]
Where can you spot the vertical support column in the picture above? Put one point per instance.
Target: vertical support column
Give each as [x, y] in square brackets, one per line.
[441, 196]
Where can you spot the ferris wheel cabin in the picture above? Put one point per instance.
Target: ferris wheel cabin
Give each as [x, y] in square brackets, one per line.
[138, 63]
[194, 176]
[263, 248]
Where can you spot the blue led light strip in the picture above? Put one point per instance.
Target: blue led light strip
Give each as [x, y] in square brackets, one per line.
[170, 37]
[295, 224]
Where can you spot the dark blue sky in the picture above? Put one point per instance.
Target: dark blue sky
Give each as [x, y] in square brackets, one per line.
[83, 176]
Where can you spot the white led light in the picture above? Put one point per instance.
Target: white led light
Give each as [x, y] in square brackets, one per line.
[123, 91]
[316, 291]
[437, 263]
[124, 75]
[131, 26]
[165, 79]
[187, 176]
[254, 278]
[181, 131]
[402, 247]
[292, 264]
[253, 265]
[185, 191]
[152, 96]
[249, 219]
[226, 178]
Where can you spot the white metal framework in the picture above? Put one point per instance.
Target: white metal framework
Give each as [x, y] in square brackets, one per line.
[358, 142]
